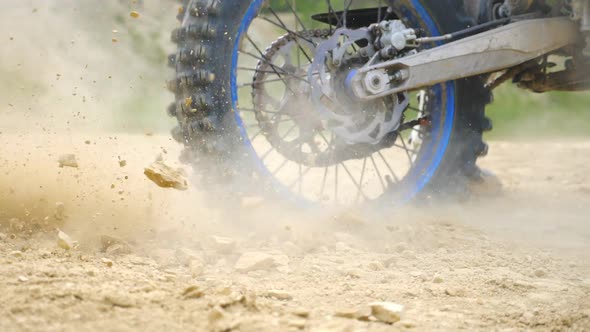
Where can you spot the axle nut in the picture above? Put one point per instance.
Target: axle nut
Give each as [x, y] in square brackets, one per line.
[376, 82]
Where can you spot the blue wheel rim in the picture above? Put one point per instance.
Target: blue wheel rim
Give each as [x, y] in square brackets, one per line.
[443, 95]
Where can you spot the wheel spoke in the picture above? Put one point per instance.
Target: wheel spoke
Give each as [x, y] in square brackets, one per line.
[362, 179]
[359, 188]
[323, 187]
[333, 13]
[267, 153]
[252, 84]
[274, 68]
[405, 147]
[292, 32]
[256, 70]
[336, 184]
[241, 109]
[300, 178]
[378, 173]
[294, 10]
[388, 166]
[289, 31]
[276, 171]
[345, 13]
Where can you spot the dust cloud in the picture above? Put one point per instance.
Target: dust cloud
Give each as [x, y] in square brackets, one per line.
[85, 78]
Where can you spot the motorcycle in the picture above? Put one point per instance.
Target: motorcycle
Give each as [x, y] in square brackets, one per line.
[352, 102]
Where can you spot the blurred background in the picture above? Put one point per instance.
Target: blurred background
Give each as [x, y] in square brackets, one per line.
[88, 65]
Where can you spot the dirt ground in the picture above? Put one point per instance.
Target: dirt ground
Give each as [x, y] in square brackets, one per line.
[147, 258]
[138, 257]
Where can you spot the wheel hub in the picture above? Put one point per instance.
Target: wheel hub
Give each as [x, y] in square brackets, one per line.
[353, 121]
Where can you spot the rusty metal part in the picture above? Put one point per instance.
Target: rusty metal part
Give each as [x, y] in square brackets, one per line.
[486, 52]
[511, 73]
[573, 79]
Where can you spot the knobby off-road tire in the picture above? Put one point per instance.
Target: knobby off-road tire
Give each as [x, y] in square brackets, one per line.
[203, 106]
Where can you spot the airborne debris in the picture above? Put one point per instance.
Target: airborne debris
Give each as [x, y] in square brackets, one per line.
[196, 267]
[114, 246]
[64, 241]
[107, 262]
[223, 245]
[68, 160]
[59, 211]
[165, 176]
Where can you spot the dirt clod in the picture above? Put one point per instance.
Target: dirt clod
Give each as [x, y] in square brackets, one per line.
[223, 245]
[192, 292]
[387, 312]
[540, 273]
[166, 176]
[64, 241]
[120, 300]
[107, 262]
[196, 267]
[114, 246]
[15, 254]
[68, 160]
[279, 295]
[350, 313]
[437, 279]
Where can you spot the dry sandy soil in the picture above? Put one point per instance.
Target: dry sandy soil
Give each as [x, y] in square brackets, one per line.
[516, 261]
[152, 259]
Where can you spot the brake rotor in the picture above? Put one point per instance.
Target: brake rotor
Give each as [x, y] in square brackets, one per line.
[314, 98]
[353, 121]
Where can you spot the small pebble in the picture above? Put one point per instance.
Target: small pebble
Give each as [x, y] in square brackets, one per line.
[387, 312]
[192, 292]
[540, 273]
[279, 295]
[437, 279]
[16, 254]
[107, 262]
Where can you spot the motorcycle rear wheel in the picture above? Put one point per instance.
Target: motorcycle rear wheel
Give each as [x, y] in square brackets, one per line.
[214, 127]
